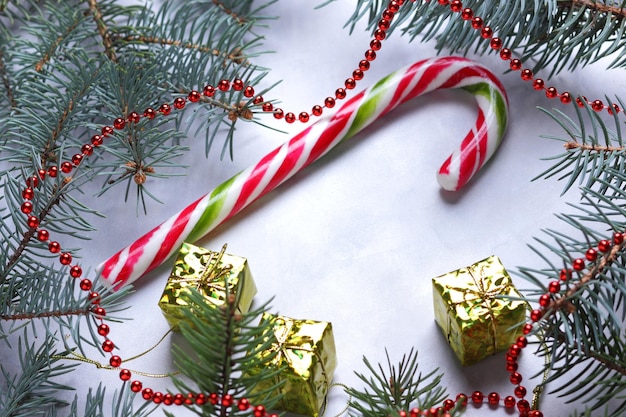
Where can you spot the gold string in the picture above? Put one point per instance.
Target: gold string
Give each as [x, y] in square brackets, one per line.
[346, 408]
[211, 272]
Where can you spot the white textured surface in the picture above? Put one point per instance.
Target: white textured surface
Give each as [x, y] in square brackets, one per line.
[355, 238]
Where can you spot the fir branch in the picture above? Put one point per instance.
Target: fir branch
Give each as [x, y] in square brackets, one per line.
[6, 82]
[43, 314]
[52, 49]
[229, 12]
[107, 42]
[617, 12]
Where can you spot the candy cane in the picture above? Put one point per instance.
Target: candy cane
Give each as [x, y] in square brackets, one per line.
[315, 141]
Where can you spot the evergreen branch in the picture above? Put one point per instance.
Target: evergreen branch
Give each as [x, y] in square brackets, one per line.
[617, 12]
[591, 147]
[6, 82]
[102, 30]
[43, 314]
[55, 45]
[230, 13]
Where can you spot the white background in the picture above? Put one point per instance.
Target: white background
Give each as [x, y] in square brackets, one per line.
[356, 238]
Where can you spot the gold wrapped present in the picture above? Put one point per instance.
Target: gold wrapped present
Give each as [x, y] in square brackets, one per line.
[478, 309]
[214, 274]
[305, 350]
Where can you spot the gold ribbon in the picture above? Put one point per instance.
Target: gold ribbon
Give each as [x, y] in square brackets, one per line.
[481, 293]
[212, 272]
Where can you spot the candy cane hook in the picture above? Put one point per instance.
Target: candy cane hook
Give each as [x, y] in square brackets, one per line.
[229, 198]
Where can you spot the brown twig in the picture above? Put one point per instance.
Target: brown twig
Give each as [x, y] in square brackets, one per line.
[43, 314]
[102, 30]
[229, 12]
[598, 148]
[600, 7]
[48, 55]
[236, 55]
[6, 82]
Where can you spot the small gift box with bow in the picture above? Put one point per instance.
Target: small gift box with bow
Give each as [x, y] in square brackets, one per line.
[214, 274]
[304, 352]
[478, 309]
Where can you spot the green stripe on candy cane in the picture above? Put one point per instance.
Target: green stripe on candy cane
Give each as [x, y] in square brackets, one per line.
[315, 141]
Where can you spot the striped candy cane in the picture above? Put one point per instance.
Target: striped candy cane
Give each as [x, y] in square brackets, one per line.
[229, 198]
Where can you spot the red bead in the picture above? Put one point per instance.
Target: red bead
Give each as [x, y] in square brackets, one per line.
[329, 102]
[258, 100]
[65, 258]
[462, 399]
[388, 14]
[515, 378]
[96, 140]
[223, 85]
[340, 93]
[538, 84]
[165, 109]
[243, 404]
[76, 271]
[27, 207]
[511, 366]
[580, 102]
[597, 105]
[591, 255]
[456, 6]
[43, 235]
[535, 413]
[364, 65]
[515, 64]
[443, 2]
[578, 264]
[477, 397]
[32, 182]
[402, 413]
[565, 274]
[147, 393]
[86, 149]
[566, 98]
[303, 117]
[194, 96]
[415, 412]
[168, 399]
[467, 13]
[259, 411]
[135, 386]
[527, 328]
[100, 312]
[554, 287]
[134, 117]
[370, 55]
[115, 361]
[248, 92]
[493, 398]
[179, 399]
[66, 167]
[523, 406]
[394, 6]
[515, 350]
[108, 346]
[200, 399]
[615, 108]
[495, 43]
[278, 113]
[179, 103]
[551, 92]
[54, 247]
[268, 107]
[448, 404]
[28, 193]
[317, 110]
[119, 123]
[536, 315]
[350, 83]
[505, 54]
[520, 391]
[357, 74]
[526, 74]
[227, 400]
[509, 402]
[486, 32]
[477, 23]
[290, 117]
[209, 91]
[76, 159]
[545, 300]
[85, 284]
[53, 171]
[237, 85]
[157, 397]
[103, 329]
[94, 297]
[106, 130]
[384, 24]
[604, 245]
[521, 342]
[42, 173]
[380, 34]
[618, 238]
[376, 45]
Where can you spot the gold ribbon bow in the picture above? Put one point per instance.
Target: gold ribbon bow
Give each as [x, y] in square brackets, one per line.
[212, 272]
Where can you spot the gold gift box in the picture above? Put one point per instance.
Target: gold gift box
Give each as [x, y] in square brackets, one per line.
[306, 351]
[478, 309]
[211, 273]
